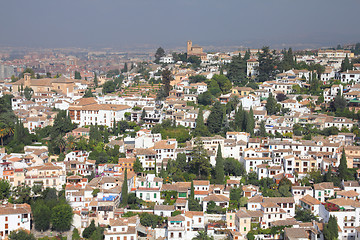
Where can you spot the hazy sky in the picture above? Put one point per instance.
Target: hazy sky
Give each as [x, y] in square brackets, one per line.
[169, 23]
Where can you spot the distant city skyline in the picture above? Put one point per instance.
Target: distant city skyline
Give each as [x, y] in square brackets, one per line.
[143, 24]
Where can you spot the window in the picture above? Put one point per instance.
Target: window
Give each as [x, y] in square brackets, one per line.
[172, 235]
[154, 195]
[180, 235]
[6, 218]
[244, 228]
[230, 217]
[6, 226]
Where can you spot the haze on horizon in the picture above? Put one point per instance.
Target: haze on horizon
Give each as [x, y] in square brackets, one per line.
[125, 24]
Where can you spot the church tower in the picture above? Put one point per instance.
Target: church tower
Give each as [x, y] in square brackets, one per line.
[189, 47]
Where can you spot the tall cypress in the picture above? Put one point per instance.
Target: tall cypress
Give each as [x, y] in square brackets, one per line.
[192, 191]
[124, 190]
[215, 118]
[250, 123]
[200, 129]
[343, 169]
[219, 167]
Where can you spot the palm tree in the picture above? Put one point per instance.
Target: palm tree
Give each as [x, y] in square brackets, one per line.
[5, 131]
[70, 142]
[202, 235]
[61, 143]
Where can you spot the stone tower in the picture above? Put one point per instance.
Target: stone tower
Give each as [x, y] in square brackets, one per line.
[27, 79]
[189, 47]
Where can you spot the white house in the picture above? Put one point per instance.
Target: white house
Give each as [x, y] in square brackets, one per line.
[13, 217]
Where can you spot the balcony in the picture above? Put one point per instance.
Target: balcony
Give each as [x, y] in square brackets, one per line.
[176, 228]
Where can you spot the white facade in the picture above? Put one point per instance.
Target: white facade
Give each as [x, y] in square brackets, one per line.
[13, 217]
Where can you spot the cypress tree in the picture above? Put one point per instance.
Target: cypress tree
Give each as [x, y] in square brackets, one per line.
[250, 123]
[331, 229]
[155, 169]
[125, 69]
[200, 129]
[96, 81]
[192, 191]
[219, 167]
[343, 169]
[239, 119]
[162, 170]
[262, 130]
[124, 190]
[215, 118]
[328, 175]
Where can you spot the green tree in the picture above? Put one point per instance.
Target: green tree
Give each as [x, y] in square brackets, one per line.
[328, 175]
[150, 220]
[233, 167]
[4, 189]
[160, 52]
[250, 122]
[205, 98]
[237, 71]
[288, 61]
[202, 235]
[343, 169]
[200, 163]
[76, 234]
[304, 215]
[262, 129]
[331, 229]
[346, 65]
[96, 81]
[61, 217]
[197, 79]
[200, 129]
[181, 162]
[339, 103]
[62, 125]
[219, 167]
[215, 119]
[28, 92]
[192, 190]
[88, 231]
[21, 235]
[125, 69]
[124, 190]
[138, 168]
[108, 87]
[271, 105]
[267, 64]
[77, 75]
[223, 82]
[41, 215]
[21, 194]
[88, 93]
[98, 234]
[166, 87]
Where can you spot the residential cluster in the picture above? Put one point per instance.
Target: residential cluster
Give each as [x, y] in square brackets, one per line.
[250, 144]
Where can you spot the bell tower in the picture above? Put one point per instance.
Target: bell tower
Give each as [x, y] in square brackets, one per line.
[27, 78]
[189, 47]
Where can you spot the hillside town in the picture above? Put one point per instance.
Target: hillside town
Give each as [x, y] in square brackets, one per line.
[253, 144]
